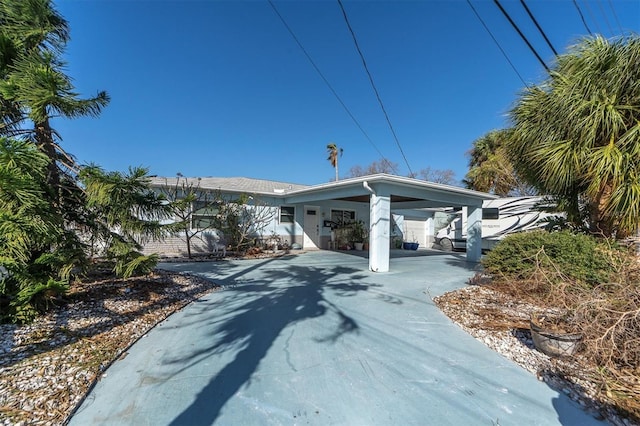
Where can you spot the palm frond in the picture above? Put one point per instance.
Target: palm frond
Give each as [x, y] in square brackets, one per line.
[578, 132]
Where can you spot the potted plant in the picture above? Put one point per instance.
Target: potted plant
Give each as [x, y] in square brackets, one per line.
[342, 236]
[410, 244]
[358, 234]
[553, 335]
[397, 242]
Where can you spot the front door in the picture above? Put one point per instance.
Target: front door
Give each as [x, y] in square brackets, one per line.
[311, 227]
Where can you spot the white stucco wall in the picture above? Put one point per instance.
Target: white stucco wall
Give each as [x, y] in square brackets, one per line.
[418, 229]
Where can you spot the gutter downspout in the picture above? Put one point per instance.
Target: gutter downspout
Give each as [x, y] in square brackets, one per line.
[366, 186]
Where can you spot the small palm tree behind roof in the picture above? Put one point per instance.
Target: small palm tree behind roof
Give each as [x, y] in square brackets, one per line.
[334, 153]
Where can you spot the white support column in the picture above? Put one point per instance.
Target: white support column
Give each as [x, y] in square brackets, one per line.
[380, 219]
[474, 233]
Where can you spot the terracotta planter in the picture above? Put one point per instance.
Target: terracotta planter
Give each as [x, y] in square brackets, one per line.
[551, 342]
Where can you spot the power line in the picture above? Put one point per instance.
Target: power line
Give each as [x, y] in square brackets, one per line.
[329, 84]
[575, 3]
[593, 18]
[615, 15]
[366, 68]
[538, 27]
[606, 20]
[513, 24]
[496, 42]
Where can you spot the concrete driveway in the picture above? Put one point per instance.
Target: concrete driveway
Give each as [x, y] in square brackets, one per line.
[317, 339]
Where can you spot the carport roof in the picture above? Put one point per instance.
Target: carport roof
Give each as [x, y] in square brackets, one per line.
[404, 192]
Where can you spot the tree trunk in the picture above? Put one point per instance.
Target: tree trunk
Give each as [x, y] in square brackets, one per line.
[188, 239]
[601, 224]
[44, 140]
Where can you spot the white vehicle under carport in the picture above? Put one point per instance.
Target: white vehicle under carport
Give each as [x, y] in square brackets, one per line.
[500, 217]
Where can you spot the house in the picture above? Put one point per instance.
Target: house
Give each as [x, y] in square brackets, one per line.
[388, 205]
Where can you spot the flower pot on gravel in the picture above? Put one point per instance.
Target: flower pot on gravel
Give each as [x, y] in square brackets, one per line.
[551, 339]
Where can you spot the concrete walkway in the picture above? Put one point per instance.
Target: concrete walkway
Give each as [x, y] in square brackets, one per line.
[317, 339]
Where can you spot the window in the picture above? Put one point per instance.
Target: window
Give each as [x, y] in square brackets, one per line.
[343, 216]
[492, 213]
[287, 214]
[203, 214]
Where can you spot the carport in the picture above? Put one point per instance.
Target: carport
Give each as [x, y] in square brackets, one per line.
[383, 192]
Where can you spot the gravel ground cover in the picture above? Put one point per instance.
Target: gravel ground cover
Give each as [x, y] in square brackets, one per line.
[47, 367]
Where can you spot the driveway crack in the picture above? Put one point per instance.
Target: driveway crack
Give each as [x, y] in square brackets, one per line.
[287, 353]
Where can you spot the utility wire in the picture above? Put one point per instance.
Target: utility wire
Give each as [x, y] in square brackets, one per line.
[538, 27]
[593, 18]
[606, 20]
[329, 85]
[575, 3]
[615, 15]
[366, 68]
[496, 42]
[513, 24]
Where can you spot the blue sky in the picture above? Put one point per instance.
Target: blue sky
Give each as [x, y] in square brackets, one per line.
[213, 88]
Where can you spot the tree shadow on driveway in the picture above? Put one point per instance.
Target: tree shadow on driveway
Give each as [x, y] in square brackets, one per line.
[243, 321]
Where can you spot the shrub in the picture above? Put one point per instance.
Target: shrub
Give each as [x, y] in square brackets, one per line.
[128, 262]
[41, 240]
[574, 256]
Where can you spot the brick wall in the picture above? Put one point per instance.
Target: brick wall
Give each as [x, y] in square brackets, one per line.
[177, 246]
[200, 244]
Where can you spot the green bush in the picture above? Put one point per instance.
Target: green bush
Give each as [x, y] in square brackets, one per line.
[127, 262]
[22, 305]
[576, 256]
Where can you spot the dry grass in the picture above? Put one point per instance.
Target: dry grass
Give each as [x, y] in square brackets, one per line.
[607, 315]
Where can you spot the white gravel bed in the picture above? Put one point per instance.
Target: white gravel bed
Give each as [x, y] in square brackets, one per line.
[47, 367]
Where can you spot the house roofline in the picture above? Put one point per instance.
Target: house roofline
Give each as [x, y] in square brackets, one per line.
[399, 180]
[284, 189]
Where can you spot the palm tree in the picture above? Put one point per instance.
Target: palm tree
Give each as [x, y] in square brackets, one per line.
[49, 208]
[334, 153]
[25, 217]
[26, 27]
[491, 169]
[30, 227]
[577, 134]
[42, 90]
[33, 85]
